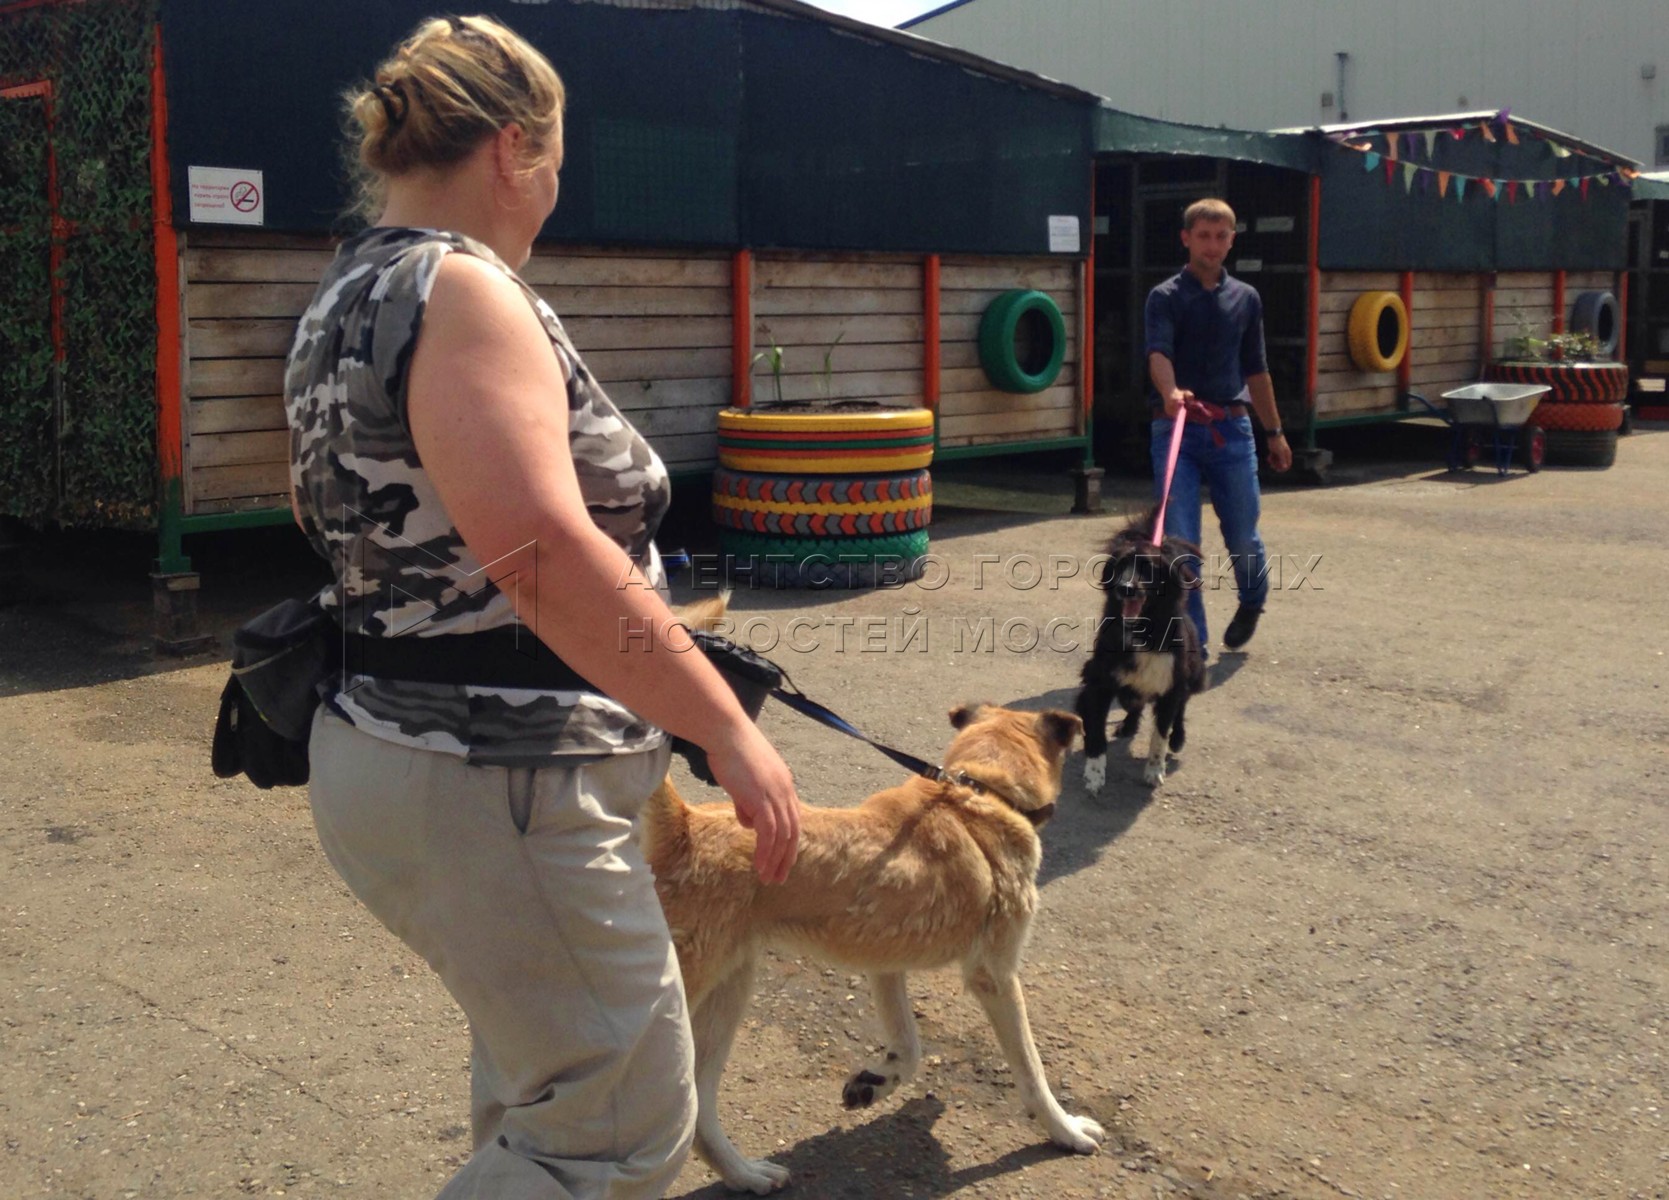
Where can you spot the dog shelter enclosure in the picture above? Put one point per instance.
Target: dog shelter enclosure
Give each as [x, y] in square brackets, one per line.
[741, 175]
[1453, 237]
[1647, 324]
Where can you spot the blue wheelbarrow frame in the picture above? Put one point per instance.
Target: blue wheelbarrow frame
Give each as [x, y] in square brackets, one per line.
[1496, 415]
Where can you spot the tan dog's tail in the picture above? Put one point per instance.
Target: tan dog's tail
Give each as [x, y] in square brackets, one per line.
[666, 829]
[707, 613]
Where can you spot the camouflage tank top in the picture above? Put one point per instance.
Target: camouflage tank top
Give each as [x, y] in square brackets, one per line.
[368, 507]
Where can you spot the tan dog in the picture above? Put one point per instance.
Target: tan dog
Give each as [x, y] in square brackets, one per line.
[922, 875]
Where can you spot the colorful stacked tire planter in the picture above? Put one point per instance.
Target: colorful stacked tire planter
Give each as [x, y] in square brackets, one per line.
[1581, 414]
[825, 495]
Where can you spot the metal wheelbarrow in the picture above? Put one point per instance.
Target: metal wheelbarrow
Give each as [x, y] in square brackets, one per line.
[1494, 416]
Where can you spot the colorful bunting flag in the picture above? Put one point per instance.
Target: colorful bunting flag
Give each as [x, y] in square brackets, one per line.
[1402, 149]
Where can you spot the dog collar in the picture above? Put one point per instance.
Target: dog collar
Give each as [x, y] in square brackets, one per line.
[963, 779]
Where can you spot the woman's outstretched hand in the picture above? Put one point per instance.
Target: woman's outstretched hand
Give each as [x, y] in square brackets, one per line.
[761, 787]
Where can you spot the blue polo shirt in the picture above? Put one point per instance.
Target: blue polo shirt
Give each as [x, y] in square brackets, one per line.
[1213, 338]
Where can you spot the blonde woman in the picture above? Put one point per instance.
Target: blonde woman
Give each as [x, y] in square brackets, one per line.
[464, 472]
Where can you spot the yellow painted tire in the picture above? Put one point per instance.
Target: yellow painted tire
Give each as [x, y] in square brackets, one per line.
[844, 441]
[1378, 331]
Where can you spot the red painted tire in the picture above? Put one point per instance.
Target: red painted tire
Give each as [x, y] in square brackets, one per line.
[1572, 383]
[1595, 418]
[823, 506]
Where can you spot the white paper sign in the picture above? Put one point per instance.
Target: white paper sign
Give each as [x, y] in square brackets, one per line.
[1274, 225]
[227, 196]
[1063, 235]
[1246, 265]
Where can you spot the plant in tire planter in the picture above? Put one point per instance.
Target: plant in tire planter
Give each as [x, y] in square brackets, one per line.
[774, 357]
[1572, 347]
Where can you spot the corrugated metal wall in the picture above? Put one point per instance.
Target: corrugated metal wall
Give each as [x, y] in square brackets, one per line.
[1261, 64]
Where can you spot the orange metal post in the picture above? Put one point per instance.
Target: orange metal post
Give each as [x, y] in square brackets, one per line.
[1558, 301]
[1405, 369]
[168, 372]
[930, 332]
[169, 376]
[741, 331]
[1313, 330]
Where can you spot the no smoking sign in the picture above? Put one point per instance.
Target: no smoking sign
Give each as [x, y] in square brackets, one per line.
[226, 196]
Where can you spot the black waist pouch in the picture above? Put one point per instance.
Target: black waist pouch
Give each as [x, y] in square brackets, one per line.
[751, 676]
[281, 662]
[284, 659]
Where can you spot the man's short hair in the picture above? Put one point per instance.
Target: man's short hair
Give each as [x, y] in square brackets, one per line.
[1207, 210]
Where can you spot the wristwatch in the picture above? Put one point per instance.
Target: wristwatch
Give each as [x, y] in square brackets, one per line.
[1274, 433]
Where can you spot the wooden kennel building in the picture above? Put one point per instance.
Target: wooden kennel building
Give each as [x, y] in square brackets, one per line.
[740, 174]
[1484, 227]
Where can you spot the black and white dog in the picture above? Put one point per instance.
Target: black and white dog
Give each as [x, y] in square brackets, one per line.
[1147, 650]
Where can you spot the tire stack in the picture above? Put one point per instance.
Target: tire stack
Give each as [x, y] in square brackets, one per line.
[1583, 412]
[824, 495]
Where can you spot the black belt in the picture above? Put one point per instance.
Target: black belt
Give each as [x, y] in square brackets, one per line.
[512, 657]
[1235, 408]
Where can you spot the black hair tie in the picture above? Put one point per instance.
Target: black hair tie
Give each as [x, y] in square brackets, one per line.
[388, 93]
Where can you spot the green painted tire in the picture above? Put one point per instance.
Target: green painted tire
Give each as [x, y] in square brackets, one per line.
[996, 342]
[845, 562]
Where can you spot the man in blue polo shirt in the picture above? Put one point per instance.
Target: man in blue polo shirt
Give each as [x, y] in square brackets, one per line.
[1205, 343]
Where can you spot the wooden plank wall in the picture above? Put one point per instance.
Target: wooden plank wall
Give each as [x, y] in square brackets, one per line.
[971, 411]
[873, 305]
[242, 295]
[862, 312]
[654, 326]
[1446, 325]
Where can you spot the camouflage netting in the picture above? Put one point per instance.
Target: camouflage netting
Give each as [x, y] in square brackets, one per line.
[78, 439]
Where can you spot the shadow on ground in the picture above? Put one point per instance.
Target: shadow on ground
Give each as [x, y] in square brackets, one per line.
[896, 1155]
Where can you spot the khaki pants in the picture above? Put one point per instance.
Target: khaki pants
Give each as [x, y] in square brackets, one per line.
[525, 890]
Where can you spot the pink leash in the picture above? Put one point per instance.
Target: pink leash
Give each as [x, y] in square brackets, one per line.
[1170, 473]
[1199, 413]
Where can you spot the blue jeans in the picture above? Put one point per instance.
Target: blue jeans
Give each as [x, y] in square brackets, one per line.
[1231, 472]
